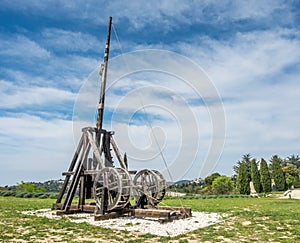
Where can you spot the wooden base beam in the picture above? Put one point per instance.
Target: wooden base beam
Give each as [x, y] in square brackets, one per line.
[182, 210]
[74, 209]
[113, 215]
[152, 213]
[161, 213]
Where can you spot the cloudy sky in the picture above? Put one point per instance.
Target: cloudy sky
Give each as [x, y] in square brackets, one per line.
[223, 81]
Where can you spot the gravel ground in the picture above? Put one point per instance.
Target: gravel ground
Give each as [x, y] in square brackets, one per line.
[141, 225]
[295, 194]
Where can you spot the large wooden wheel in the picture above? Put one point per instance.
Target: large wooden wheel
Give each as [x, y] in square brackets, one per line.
[149, 183]
[162, 185]
[112, 188]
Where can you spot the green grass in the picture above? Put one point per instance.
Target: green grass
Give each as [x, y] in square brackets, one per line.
[247, 220]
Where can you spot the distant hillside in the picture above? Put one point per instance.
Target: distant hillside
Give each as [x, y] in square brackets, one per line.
[181, 182]
[49, 186]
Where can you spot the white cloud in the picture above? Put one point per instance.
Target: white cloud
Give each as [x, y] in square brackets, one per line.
[256, 72]
[163, 83]
[238, 10]
[69, 70]
[246, 68]
[14, 96]
[246, 58]
[18, 46]
[33, 148]
[166, 15]
[65, 40]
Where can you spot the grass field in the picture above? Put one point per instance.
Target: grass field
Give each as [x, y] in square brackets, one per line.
[247, 220]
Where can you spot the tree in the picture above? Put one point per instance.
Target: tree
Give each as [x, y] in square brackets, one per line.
[222, 185]
[291, 169]
[297, 182]
[29, 187]
[277, 173]
[289, 181]
[265, 177]
[255, 176]
[243, 179]
[125, 160]
[209, 179]
[294, 160]
[246, 159]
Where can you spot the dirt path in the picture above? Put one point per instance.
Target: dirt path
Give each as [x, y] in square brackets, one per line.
[295, 193]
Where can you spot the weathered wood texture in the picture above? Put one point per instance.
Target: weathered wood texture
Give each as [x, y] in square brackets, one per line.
[162, 214]
[182, 210]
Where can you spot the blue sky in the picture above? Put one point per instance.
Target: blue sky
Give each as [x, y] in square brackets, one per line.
[250, 50]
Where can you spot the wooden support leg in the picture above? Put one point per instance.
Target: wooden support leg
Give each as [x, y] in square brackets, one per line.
[104, 201]
[81, 201]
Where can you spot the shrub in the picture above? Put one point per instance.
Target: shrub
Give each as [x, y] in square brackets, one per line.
[53, 195]
[28, 195]
[297, 182]
[7, 193]
[20, 194]
[207, 190]
[222, 185]
[37, 194]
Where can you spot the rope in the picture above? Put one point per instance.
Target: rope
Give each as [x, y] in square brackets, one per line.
[145, 112]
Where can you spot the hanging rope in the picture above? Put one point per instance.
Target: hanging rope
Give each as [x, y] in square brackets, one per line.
[145, 113]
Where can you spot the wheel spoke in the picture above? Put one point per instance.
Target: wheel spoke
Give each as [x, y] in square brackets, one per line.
[117, 182]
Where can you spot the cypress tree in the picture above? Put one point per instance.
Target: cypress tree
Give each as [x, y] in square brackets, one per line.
[255, 176]
[243, 179]
[277, 173]
[265, 177]
[246, 159]
[125, 160]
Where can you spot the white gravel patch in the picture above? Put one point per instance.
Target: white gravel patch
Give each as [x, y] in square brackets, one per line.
[140, 225]
[295, 194]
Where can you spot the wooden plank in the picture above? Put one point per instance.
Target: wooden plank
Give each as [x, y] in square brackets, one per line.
[161, 213]
[153, 213]
[89, 208]
[68, 173]
[90, 172]
[72, 165]
[81, 201]
[75, 180]
[112, 215]
[63, 212]
[182, 210]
